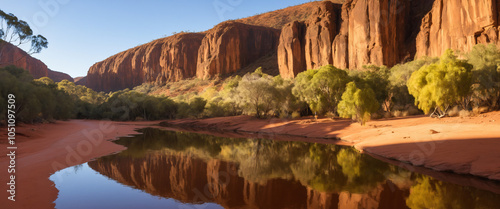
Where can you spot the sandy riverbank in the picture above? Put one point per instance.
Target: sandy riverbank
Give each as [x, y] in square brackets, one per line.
[461, 145]
[46, 148]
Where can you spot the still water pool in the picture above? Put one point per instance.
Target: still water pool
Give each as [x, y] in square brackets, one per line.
[166, 169]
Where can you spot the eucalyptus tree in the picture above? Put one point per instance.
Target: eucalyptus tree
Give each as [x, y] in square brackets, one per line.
[441, 85]
[18, 32]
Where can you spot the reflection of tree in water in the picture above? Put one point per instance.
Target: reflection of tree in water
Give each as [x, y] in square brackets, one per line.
[322, 167]
[430, 193]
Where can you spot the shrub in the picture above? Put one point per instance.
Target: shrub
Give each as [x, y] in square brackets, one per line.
[465, 113]
[295, 114]
[441, 85]
[358, 103]
[397, 113]
[453, 112]
[321, 88]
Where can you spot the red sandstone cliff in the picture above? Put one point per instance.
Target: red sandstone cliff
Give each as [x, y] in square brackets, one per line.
[347, 34]
[160, 61]
[81, 80]
[458, 24]
[380, 32]
[12, 55]
[231, 46]
[58, 76]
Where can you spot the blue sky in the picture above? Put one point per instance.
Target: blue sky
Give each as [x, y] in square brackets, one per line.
[83, 32]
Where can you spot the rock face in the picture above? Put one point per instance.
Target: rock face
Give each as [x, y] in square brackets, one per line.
[160, 61]
[347, 34]
[12, 55]
[228, 47]
[308, 45]
[58, 76]
[231, 46]
[81, 81]
[458, 24]
[291, 50]
[360, 32]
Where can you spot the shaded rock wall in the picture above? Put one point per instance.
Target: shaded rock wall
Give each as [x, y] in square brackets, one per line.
[81, 81]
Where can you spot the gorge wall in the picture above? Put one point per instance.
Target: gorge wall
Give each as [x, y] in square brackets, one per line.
[458, 24]
[231, 46]
[163, 60]
[13, 55]
[346, 34]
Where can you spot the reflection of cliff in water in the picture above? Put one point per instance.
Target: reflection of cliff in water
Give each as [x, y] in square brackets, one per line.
[258, 173]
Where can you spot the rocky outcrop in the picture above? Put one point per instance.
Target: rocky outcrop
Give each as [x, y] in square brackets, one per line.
[387, 32]
[81, 81]
[13, 55]
[228, 47]
[376, 31]
[357, 33]
[231, 46]
[160, 61]
[458, 24]
[58, 76]
[308, 45]
[291, 50]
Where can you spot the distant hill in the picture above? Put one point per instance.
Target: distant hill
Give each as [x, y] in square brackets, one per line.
[13, 55]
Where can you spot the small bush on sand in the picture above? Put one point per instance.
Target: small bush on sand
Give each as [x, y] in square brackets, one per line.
[295, 114]
[480, 110]
[414, 111]
[399, 113]
[454, 112]
[330, 114]
[465, 113]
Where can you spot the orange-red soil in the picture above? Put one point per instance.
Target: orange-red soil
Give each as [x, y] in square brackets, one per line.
[44, 149]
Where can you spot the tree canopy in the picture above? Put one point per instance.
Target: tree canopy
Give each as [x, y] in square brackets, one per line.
[358, 103]
[321, 88]
[18, 32]
[439, 85]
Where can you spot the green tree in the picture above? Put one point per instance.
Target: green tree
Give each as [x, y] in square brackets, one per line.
[17, 81]
[18, 32]
[36, 100]
[440, 85]
[486, 72]
[256, 93]
[197, 106]
[358, 103]
[376, 78]
[398, 93]
[167, 108]
[285, 102]
[321, 88]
